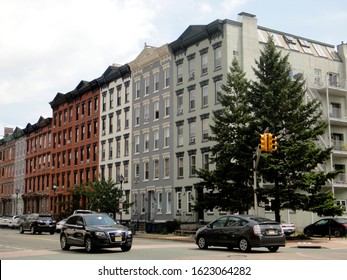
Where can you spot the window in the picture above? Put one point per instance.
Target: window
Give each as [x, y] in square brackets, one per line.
[146, 112]
[166, 136]
[333, 79]
[146, 85]
[156, 81]
[146, 142]
[205, 129]
[218, 90]
[137, 89]
[167, 107]
[205, 96]
[317, 76]
[192, 165]
[110, 125]
[192, 99]
[179, 201]
[159, 201]
[118, 147]
[110, 149]
[192, 131]
[180, 167]
[204, 63]
[146, 170]
[180, 104]
[320, 50]
[335, 110]
[305, 46]
[156, 110]
[137, 144]
[218, 57]
[343, 204]
[166, 77]
[166, 167]
[104, 101]
[191, 67]
[179, 73]
[126, 119]
[180, 135]
[168, 203]
[111, 98]
[206, 161]
[189, 201]
[291, 41]
[137, 170]
[137, 116]
[156, 139]
[156, 168]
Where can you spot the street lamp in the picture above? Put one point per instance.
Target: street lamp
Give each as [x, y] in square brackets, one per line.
[54, 189]
[17, 192]
[120, 204]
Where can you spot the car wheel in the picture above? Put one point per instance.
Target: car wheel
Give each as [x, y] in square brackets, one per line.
[125, 248]
[337, 233]
[32, 230]
[21, 230]
[51, 232]
[273, 248]
[202, 244]
[88, 245]
[63, 243]
[244, 245]
[308, 233]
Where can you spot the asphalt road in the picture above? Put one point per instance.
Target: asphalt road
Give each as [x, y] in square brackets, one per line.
[15, 246]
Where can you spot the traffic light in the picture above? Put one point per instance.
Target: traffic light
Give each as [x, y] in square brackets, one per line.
[263, 142]
[272, 142]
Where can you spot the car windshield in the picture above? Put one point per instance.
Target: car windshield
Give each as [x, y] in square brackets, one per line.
[98, 220]
[44, 218]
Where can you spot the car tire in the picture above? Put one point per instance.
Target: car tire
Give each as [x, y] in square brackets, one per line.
[244, 245]
[21, 230]
[337, 233]
[51, 232]
[125, 248]
[308, 233]
[202, 243]
[273, 249]
[63, 243]
[89, 245]
[32, 230]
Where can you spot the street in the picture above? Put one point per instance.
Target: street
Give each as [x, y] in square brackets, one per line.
[15, 246]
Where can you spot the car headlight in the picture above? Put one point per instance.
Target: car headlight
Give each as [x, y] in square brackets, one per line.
[100, 234]
[129, 232]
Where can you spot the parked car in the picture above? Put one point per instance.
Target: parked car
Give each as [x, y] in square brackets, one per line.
[5, 220]
[37, 223]
[14, 221]
[94, 231]
[241, 231]
[60, 225]
[328, 226]
[288, 228]
[83, 211]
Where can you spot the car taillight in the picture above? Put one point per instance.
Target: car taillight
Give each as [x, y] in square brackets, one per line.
[257, 230]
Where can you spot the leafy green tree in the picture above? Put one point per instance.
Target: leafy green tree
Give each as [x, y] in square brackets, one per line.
[279, 104]
[274, 101]
[230, 184]
[104, 196]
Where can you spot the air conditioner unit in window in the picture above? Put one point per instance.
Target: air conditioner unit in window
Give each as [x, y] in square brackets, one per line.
[180, 111]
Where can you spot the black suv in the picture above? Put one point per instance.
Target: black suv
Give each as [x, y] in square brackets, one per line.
[94, 231]
[37, 223]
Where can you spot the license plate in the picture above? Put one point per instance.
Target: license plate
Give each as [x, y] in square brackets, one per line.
[271, 231]
[117, 239]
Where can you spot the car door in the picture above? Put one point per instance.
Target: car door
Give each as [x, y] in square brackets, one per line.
[69, 230]
[321, 227]
[233, 230]
[214, 231]
[80, 231]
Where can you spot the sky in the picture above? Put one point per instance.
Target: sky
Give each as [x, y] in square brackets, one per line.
[49, 46]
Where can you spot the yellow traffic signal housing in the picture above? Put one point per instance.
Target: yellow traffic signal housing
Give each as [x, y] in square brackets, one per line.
[263, 142]
[272, 142]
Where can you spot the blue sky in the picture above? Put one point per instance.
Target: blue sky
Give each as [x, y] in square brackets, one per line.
[48, 47]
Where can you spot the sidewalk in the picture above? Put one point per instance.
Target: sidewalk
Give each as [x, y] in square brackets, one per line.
[313, 242]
